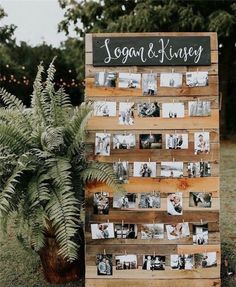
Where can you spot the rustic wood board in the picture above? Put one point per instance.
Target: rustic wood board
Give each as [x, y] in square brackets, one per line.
[205, 277]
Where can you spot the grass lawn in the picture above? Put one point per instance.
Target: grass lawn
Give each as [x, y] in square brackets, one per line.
[21, 268]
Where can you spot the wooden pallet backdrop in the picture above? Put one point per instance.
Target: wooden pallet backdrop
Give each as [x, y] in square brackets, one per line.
[204, 277]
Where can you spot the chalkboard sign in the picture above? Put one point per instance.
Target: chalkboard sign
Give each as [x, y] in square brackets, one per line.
[151, 51]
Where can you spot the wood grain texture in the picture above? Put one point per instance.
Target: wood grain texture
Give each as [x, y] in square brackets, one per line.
[212, 70]
[209, 184]
[112, 123]
[133, 282]
[169, 278]
[96, 92]
[142, 217]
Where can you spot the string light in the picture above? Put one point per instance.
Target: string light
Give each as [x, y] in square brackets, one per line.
[11, 79]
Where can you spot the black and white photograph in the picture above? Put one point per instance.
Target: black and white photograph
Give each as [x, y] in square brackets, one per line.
[200, 234]
[151, 109]
[102, 230]
[102, 144]
[144, 169]
[152, 231]
[202, 143]
[197, 79]
[121, 169]
[205, 260]
[199, 169]
[200, 199]
[127, 200]
[126, 262]
[150, 200]
[177, 230]
[104, 109]
[150, 141]
[153, 262]
[104, 264]
[105, 79]
[126, 113]
[172, 110]
[182, 261]
[129, 80]
[101, 202]
[175, 203]
[171, 80]
[199, 108]
[176, 141]
[172, 168]
[126, 231]
[149, 84]
[123, 141]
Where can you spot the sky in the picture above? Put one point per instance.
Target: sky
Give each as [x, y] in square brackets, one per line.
[36, 20]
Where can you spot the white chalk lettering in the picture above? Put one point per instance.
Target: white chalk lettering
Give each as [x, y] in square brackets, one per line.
[161, 51]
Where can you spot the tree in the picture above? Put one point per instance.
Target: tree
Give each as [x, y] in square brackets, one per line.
[44, 171]
[166, 15]
[6, 31]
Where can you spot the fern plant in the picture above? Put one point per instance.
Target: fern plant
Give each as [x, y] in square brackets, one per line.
[43, 168]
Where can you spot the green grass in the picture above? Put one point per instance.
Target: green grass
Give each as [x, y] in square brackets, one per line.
[21, 268]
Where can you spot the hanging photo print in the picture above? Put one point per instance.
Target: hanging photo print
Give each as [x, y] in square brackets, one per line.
[177, 231]
[123, 141]
[104, 109]
[102, 144]
[182, 261]
[176, 141]
[171, 80]
[128, 200]
[126, 262]
[172, 110]
[101, 202]
[200, 234]
[105, 79]
[152, 231]
[175, 203]
[126, 231]
[104, 264]
[197, 79]
[145, 169]
[149, 84]
[199, 169]
[126, 113]
[202, 143]
[153, 262]
[149, 110]
[150, 141]
[172, 168]
[200, 199]
[199, 108]
[129, 80]
[102, 230]
[205, 260]
[121, 169]
[150, 200]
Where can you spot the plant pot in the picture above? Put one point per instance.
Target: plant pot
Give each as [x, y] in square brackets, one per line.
[56, 269]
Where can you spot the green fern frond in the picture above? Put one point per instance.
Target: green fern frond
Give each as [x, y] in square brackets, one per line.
[101, 172]
[15, 140]
[11, 101]
[38, 104]
[37, 236]
[75, 132]
[63, 208]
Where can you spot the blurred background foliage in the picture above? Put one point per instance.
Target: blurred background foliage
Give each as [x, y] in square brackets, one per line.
[17, 62]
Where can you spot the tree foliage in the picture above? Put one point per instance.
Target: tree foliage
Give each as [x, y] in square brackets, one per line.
[149, 16]
[6, 31]
[43, 164]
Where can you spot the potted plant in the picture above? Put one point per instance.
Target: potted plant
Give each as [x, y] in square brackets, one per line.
[43, 174]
